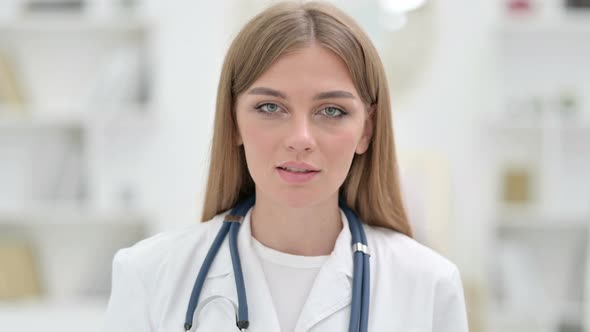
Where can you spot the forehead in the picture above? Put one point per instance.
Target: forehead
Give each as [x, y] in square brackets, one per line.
[309, 68]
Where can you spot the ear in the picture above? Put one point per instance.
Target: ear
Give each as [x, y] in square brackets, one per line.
[365, 140]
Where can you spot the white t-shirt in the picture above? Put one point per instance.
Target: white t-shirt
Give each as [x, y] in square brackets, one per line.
[289, 278]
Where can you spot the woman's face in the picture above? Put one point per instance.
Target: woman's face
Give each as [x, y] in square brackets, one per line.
[303, 109]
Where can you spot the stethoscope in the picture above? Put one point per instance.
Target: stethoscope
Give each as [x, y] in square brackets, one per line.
[359, 312]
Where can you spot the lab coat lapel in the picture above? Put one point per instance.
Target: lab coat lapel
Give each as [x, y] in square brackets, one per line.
[332, 288]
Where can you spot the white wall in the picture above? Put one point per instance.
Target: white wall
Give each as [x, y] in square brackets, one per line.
[190, 48]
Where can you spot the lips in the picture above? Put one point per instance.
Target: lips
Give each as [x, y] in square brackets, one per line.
[297, 177]
[296, 170]
[298, 167]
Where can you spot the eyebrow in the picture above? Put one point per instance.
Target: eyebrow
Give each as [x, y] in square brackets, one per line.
[322, 95]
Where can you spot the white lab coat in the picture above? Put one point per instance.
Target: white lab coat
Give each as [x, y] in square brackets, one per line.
[413, 289]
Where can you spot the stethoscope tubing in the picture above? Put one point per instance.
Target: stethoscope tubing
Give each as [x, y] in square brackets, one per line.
[359, 313]
[359, 316]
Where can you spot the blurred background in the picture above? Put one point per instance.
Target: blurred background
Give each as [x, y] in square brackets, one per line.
[106, 112]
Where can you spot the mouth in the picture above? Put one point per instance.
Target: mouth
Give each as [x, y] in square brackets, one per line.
[296, 176]
[297, 170]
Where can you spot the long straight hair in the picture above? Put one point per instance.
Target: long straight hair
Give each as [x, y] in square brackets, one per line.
[372, 187]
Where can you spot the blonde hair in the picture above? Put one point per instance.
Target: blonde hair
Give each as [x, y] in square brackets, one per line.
[372, 187]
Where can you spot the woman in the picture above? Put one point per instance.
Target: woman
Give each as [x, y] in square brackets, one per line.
[303, 133]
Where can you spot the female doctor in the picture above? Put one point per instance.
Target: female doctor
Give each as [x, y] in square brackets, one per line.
[303, 164]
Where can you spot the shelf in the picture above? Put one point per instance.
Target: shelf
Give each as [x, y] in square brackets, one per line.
[73, 23]
[538, 311]
[70, 214]
[531, 321]
[25, 120]
[528, 222]
[505, 126]
[44, 303]
[571, 24]
[86, 315]
[41, 118]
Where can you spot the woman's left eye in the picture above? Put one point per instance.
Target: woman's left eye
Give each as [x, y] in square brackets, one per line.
[333, 112]
[268, 108]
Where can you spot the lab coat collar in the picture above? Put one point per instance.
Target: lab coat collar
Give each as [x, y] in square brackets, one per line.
[330, 292]
[342, 248]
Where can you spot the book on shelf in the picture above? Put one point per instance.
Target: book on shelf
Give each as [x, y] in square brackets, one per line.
[18, 271]
[11, 92]
[38, 7]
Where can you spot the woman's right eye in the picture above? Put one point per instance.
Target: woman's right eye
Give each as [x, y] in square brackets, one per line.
[267, 108]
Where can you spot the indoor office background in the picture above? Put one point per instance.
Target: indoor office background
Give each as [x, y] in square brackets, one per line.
[106, 118]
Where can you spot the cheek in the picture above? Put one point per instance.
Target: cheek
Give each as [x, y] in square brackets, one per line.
[341, 154]
[258, 143]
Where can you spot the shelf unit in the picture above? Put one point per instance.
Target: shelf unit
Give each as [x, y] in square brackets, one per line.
[62, 194]
[540, 264]
[522, 235]
[555, 252]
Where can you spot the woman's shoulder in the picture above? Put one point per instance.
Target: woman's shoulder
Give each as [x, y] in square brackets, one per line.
[150, 253]
[407, 254]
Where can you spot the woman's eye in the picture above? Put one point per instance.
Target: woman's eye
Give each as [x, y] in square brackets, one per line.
[333, 112]
[268, 108]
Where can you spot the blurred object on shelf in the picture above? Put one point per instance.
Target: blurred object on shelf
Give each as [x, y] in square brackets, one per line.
[18, 271]
[569, 104]
[570, 326]
[54, 6]
[112, 8]
[11, 92]
[516, 185]
[577, 4]
[120, 80]
[524, 111]
[527, 261]
[519, 7]
[125, 6]
[128, 196]
[566, 105]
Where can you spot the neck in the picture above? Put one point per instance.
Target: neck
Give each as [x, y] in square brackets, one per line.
[305, 231]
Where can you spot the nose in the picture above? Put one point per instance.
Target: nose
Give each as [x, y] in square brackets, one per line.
[300, 135]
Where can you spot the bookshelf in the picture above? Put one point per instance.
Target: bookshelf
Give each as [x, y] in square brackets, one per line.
[539, 268]
[76, 95]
